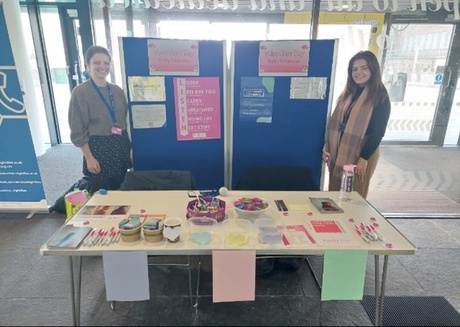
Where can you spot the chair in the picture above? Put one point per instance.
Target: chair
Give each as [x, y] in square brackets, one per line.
[158, 180]
[283, 178]
[139, 180]
[277, 179]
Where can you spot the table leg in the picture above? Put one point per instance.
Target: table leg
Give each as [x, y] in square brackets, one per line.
[198, 283]
[190, 280]
[377, 287]
[75, 290]
[380, 289]
[72, 292]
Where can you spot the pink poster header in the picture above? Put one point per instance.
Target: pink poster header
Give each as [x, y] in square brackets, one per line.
[284, 58]
[173, 57]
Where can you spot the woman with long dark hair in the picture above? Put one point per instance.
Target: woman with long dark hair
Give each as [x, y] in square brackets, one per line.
[358, 123]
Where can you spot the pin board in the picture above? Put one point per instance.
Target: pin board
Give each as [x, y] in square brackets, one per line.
[281, 98]
[175, 91]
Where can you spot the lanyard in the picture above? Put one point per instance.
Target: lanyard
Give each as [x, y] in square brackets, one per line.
[111, 107]
[355, 98]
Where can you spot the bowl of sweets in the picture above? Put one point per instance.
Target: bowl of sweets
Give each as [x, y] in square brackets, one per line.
[250, 207]
[210, 207]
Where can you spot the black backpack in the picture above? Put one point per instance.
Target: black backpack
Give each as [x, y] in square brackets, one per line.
[59, 205]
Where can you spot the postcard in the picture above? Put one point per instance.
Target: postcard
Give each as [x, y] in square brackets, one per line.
[297, 235]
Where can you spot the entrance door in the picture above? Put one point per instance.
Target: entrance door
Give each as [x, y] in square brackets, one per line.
[413, 71]
[61, 44]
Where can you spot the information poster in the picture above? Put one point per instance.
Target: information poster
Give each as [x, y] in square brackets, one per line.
[149, 116]
[256, 99]
[197, 105]
[20, 182]
[308, 88]
[284, 58]
[173, 57]
[147, 88]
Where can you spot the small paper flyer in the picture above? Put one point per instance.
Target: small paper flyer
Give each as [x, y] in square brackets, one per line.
[297, 235]
[326, 226]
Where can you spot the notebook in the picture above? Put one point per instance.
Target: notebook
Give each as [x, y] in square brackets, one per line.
[69, 237]
[326, 205]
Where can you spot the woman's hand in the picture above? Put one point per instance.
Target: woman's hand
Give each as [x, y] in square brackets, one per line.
[361, 167]
[93, 166]
[91, 163]
[326, 157]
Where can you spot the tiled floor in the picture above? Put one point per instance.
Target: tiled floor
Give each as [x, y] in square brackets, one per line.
[34, 290]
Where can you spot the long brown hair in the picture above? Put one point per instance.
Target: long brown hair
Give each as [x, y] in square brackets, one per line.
[376, 90]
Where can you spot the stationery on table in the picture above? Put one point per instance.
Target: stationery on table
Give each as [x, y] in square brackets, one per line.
[330, 233]
[297, 235]
[69, 237]
[281, 206]
[326, 205]
[326, 226]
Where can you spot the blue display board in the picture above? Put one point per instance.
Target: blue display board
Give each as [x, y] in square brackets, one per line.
[20, 182]
[291, 128]
[160, 148]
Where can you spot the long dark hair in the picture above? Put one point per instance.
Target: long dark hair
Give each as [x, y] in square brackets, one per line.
[376, 90]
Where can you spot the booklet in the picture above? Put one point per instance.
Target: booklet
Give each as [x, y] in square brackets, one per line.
[326, 226]
[69, 237]
[326, 205]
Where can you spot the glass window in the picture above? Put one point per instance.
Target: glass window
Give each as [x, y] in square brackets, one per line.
[352, 38]
[35, 75]
[191, 30]
[288, 32]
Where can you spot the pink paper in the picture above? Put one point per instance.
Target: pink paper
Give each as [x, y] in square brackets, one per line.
[233, 276]
[173, 57]
[281, 58]
[197, 105]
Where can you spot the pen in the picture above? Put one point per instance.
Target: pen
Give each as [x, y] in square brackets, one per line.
[88, 238]
[277, 202]
[380, 237]
[366, 232]
[283, 205]
[99, 235]
[117, 238]
[362, 236]
[363, 233]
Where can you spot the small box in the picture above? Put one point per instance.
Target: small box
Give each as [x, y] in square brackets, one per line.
[201, 229]
[237, 231]
[130, 235]
[269, 230]
[153, 230]
[130, 229]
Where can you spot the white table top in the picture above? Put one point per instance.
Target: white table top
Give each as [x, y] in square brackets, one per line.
[302, 212]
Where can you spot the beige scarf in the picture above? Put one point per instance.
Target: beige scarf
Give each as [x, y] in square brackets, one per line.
[348, 149]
